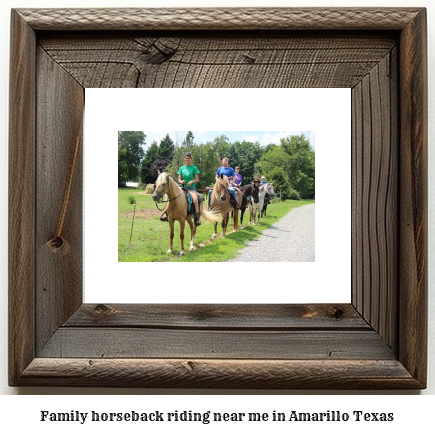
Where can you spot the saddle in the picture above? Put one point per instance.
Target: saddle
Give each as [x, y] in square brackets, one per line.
[190, 207]
[233, 200]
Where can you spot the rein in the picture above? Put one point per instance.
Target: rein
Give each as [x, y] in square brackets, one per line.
[238, 207]
[169, 200]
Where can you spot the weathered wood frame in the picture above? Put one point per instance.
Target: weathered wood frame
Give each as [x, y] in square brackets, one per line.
[377, 341]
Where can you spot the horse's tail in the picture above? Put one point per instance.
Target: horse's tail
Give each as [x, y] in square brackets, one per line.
[211, 216]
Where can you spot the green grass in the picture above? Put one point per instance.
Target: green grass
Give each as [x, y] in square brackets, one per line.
[144, 201]
[150, 239]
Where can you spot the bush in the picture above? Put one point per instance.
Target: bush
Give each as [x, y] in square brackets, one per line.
[131, 200]
[292, 194]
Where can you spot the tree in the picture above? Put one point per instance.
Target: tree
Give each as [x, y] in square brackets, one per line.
[152, 154]
[188, 141]
[276, 157]
[281, 184]
[296, 158]
[222, 146]
[166, 148]
[158, 165]
[245, 155]
[130, 154]
[302, 164]
[157, 157]
[206, 159]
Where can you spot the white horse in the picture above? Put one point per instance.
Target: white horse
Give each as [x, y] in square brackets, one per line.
[257, 207]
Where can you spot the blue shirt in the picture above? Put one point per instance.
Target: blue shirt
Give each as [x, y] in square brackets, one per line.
[227, 171]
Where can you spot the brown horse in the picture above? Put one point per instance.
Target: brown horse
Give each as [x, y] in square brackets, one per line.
[177, 209]
[248, 191]
[257, 207]
[220, 202]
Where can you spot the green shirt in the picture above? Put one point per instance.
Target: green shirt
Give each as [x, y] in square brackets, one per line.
[188, 174]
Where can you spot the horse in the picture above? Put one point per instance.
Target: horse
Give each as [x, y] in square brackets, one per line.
[248, 191]
[177, 209]
[257, 207]
[220, 202]
[265, 203]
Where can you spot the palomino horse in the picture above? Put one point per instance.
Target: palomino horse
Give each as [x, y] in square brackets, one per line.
[177, 209]
[220, 202]
[248, 191]
[257, 207]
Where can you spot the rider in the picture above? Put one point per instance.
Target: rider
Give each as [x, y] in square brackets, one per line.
[224, 169]
[236, 181]
[188, 177]
[228, 171]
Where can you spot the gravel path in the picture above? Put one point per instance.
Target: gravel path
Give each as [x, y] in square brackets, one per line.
[290, 239]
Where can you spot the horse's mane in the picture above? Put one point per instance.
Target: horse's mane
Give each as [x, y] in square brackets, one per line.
[246, 187]
[216, 192]
[162, 175]
[165, 176]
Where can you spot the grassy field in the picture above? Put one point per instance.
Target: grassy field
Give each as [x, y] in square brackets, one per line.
[150, 236]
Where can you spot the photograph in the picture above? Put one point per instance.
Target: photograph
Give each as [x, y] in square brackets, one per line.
[240, 188]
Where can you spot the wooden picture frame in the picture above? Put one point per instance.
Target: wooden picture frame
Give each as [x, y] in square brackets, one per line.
[378, 341]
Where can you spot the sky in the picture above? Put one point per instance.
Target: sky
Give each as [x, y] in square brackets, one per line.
[263, 137]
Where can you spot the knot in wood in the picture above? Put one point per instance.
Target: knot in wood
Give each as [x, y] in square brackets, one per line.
[58, 244]
[103, 309]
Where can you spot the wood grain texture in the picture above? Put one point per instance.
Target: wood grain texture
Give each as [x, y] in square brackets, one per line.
[375, 197]
[377, 342]
[227, 374]
[220, 18]
[233, 343]
[413, 193]
[21, 197]
[59, 277]
[220, 317]
[235, 60]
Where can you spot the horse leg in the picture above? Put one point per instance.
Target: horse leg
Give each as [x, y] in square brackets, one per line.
[210, 206]
[193, 227]
[182, 224]
[215, 232]
[192, 234]
[236, 220]
[225, 224]
[171, 235]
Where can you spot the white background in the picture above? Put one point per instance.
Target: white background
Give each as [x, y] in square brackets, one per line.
[325, 111]
[22, 411]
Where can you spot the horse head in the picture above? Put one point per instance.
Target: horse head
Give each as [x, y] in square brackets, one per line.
[162, 186]
[221, 188]
[270, 189]
[255, 191]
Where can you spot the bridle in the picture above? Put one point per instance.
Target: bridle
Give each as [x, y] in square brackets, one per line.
[222, 187]
[270, 191]
[248, 198]
[229, 195]
[162, 192]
